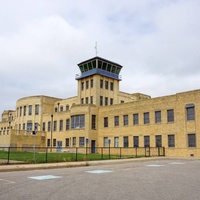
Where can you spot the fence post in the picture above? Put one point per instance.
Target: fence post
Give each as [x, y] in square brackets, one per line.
[8, 154]
[158, 151]
[120, 152]
[149, 151]
[136, 152]
[163, 151]
[46, 154]
[101, 153]
[76, 154]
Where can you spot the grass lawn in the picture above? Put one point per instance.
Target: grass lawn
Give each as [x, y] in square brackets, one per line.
[42, 157]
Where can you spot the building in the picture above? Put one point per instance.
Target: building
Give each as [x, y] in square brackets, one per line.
[101, 115]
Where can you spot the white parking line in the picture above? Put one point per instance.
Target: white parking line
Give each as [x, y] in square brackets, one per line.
[154, 165]
[176, 163]
[99, 171]
[45, 177]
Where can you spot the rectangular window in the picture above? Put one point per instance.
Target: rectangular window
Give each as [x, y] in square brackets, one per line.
[191, 140]
[106, 101]
[135, 119]
[157, 116]
[93, 122]
[111, 101]
[135, 141]
[105, 142]
[116, 141]
[87, 84]
[111, 86]
[29, 126]
[105, 121]
[81, 141]
[67, 142]
[54, 125]
[116, 120]
[106, 85]
[54, 142]
[48, 142]
[91, 100]
[37, 109]
[190, 113]
[77, 121]
[125, 117]
[74, 141]
[101, 100]
[30, 109]
[61, 108]
[67, 107]
[24, 126]
[82, 85]
[67, 124]
[170, 115]
[125, 141]
[158, 140]
[61, 125]
[49, 126]
[146, 118]
[86, 100]
[171, 141]
[82, 100]
[43, 126]
[91, 83]
[101, 83]
[146, 141]
[24, 110]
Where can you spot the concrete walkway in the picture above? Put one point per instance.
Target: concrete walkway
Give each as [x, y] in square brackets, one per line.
[22, 167]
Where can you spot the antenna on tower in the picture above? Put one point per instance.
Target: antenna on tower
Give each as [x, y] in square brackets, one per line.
[96, 48]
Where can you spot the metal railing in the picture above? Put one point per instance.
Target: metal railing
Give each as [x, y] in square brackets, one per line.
[31, 154]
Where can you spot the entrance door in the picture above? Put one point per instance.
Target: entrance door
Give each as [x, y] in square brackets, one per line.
[59, 146]
[93, 146]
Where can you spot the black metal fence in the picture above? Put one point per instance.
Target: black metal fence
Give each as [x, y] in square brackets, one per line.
[10, 155]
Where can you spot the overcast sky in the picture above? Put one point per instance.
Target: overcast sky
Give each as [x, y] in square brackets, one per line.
[41, 42]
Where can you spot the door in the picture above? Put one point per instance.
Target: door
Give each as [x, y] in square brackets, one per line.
[59, 146]
[93, 146]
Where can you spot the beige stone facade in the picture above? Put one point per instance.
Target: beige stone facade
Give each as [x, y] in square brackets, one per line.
[101, 114]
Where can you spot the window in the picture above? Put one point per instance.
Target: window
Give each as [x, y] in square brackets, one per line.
[49, 126]
[125, 141]
[105, 121]
[190, 112]
[74, 141]
[86, 100]
[101, 83]
[37, 109]
[20, 111]
[82, 100]
[87, 84]
[171, 141]
[106, 101]
[106, 85]
[30, 109]
[191, 140]
[157, 116]
[170, 115]
[111, 86]
[43, 126]
[67, 107]
[61, 108]
[67, 142]
[125, 117]
[111, 101]
[56, 109]
[81, 141]
[105, 142]
[24, 110]
[101, 101]
[77, 121]
[54, 142]
[61, 125]
[146, 118]
[48, 142]
[29, 126]
[158, 141]
[135, 141]
[116, 120]
[82, 85]
[116, 141]
[146, 141]
[91, 83]
[67, 124]
[122, 101]
[135, 119]
[93, 122]
[54, 125]
[24, 126]
[91, 99]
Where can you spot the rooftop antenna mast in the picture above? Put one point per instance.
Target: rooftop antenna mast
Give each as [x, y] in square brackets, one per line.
[96, 48]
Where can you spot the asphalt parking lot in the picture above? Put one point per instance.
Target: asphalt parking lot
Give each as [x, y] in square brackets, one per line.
[152, 180]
